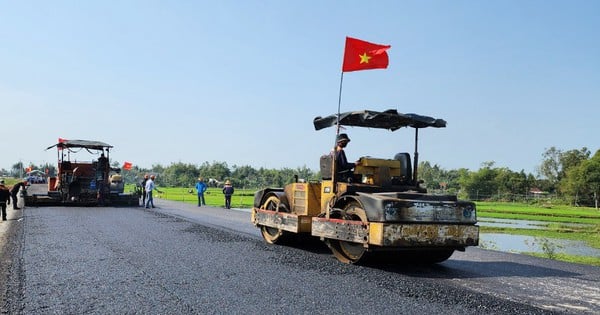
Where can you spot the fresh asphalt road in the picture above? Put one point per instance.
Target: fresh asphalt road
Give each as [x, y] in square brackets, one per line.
[182, 259]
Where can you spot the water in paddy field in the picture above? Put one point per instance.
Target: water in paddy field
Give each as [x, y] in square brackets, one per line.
[523, 224]
[524, 243]
[508, 223]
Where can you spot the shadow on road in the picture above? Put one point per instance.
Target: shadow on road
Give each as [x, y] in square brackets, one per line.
[462, 269]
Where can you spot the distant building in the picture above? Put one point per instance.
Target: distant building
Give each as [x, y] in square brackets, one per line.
[537, 193]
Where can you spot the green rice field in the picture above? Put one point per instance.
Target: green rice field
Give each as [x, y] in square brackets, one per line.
[213, 196]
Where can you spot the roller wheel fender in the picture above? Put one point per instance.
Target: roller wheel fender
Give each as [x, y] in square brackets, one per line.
[279, 197]
[273, 235]
[353, 209]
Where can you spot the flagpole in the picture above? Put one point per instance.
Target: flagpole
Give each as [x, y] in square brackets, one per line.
[337, 131]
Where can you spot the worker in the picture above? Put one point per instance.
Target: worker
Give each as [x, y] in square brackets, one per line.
[14, 192]
[201, 188]
[343, 168]
[4, 199]
[228, 191]
[143, 184]
[150, 186]
[102, 166]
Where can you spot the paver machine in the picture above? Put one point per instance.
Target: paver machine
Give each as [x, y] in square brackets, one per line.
[84, 182]
[380, 210]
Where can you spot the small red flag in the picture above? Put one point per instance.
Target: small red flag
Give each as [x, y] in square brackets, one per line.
[61, 140]
[127, 166]
[361, 55]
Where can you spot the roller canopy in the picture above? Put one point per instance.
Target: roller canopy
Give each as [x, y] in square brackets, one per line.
[389, 119]
[87, 144]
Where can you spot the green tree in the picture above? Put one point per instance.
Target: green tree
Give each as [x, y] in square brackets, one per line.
[429, 175]
[551, 167]
[556, 164]
[582, 182]
[157, 170]
[285, 176]
[217, 170]
[591, 170]
[436, 178]
[454, 180]
[573, 158]
[306, 173]
[573, 185]
[481, 184]
[512, 184]
[17, 169]
[180, 175]
[245, 176]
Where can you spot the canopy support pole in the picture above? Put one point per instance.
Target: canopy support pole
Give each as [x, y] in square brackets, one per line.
[416, 155]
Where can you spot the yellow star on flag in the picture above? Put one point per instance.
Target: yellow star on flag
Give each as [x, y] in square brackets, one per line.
[364, 58]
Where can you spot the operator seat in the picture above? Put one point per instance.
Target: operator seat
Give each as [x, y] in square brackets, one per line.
[326, 163]
[405, 168]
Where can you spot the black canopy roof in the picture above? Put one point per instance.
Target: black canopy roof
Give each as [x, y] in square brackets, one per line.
[389, 119]
[87, 144]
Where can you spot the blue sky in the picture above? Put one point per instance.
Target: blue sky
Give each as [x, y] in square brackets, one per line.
[241, 81]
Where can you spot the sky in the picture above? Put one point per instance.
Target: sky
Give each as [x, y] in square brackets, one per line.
[241, 81]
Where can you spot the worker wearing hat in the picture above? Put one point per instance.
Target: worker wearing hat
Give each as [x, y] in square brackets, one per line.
[228, 192]
[343, 168]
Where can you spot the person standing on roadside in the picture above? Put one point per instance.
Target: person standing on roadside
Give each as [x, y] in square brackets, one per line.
[143, 184]
[228, 192]
[201, 188]
[4, 199]
[150, 186]
[14, 192]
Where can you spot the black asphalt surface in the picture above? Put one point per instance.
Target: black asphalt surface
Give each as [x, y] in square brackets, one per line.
[181, 259]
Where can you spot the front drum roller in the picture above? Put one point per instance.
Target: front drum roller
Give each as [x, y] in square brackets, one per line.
[349, 252]
[270, 234]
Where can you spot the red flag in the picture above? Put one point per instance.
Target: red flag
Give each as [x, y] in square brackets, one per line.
[127, 166]
[361, 55]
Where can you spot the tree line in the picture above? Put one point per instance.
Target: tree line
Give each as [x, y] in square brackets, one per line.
[187, 174]
[572, 176]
